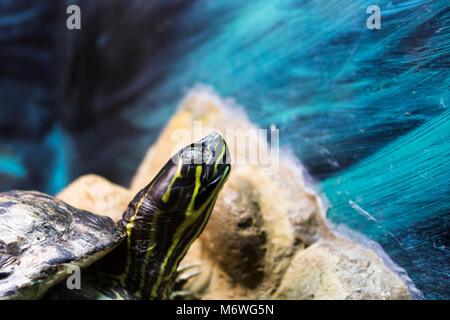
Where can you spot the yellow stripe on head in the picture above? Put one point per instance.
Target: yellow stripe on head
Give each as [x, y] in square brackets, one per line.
[166, 196]
[191, 216]
[166, 218]
[219, 159]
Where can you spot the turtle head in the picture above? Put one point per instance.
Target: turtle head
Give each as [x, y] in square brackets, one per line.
[171, 212]
[193, 178]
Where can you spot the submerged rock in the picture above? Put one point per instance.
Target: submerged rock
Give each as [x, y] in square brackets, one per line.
[267, 237]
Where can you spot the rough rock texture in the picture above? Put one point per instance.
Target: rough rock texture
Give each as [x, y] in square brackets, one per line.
[267, 237]
[337, 269]
[96, 194]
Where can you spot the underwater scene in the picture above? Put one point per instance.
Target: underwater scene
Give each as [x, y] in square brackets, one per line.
[343, 104]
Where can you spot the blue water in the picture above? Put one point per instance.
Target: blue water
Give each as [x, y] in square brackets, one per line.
[366, 111]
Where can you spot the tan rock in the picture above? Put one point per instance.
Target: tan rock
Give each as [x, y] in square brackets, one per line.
[267, 236]
[238, 233]
[339, 269]
[261, 221]
[96, 194]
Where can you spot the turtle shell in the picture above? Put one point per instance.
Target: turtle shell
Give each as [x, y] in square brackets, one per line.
[42, 238]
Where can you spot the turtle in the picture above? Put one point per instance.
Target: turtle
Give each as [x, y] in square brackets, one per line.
[44, 241]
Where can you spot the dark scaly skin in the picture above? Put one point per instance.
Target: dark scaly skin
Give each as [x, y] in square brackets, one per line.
[160, 224]
[41, 235]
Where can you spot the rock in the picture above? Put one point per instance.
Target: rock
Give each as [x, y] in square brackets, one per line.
[267, 237]
[338, 269]
[237, 238]
[96, 194]
[266, 230]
